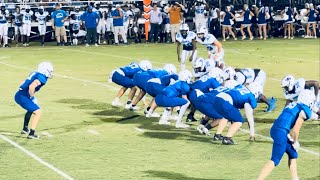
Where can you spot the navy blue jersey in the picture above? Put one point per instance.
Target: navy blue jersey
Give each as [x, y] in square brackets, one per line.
[177, 89]
[204, 84]
[289, 116]
[131, 69]
[241, 95]
[157, 73]
[33, 76]
[246, 17]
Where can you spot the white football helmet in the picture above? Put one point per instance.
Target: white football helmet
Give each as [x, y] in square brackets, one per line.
[250, 75]
[41, 8]
[46, 69]
[202, 32]
[27, 7]
[145, 65]
[288, 83]
[255, 89]
[216, 73]
[306, 97]
[229, 73]
[170, 68]
[198, 65]
[231, 84]
[184, 27]
[185, 75]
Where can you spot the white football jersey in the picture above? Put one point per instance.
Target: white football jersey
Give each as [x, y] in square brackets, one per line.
[200, 11]
[126, 15]
[208, 42]
[298, 87]
[245, 76]
[208, 65]
[77, 16]
[26, 19]
[42, 18]
[3, 16]
[186, 42]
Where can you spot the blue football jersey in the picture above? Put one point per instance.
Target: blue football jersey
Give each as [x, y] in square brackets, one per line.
[157, 73]
[131, 69]
[204, 84]
[289, 116]
[241, 95]
[177, 89]
[33, 76]
[166, 80]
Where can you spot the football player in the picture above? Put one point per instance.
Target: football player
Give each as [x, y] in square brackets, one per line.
[124, 77]
[42, 16]
[173, 96]
[4, 16]
[26, 24]
[214, 47]
[285, 133]
[127, 15]
[18, 31]
[26, 99]
[248, 76]
[200, 7]
[292, 89]
[109, 22]
[75, 24]
[205, 84]
[202, 67]
[187, 39]
[101, 27]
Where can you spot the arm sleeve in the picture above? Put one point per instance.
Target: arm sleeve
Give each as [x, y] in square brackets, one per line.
[249, 114]
[253, 102]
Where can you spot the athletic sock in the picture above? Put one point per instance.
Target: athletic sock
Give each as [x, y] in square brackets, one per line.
[203, 121]
[26, 120]
[129, 102]
[31, 132]
[208, 126]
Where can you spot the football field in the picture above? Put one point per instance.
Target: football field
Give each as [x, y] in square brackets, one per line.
[84, 137]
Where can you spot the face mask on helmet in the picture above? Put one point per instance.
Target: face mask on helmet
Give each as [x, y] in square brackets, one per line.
[41, 11]
[77, 10]
[97, 6]
[3, 8]
[27, 10]
[184, 33]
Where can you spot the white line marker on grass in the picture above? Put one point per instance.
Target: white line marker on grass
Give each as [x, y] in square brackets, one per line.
[139, 129]
[64, 175]
[93, 132]
[270, 139]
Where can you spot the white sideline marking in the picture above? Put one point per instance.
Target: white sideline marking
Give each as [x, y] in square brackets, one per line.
[138, 129]
[47, 134]
[64, 175]
[141, 130]
[92, 132]
[270, 139]
[6, 133]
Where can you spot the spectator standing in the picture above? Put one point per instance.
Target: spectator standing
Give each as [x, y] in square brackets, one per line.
[58, 17]
[246, 23]
[155, 20]
[90, 19]
[312, 14]
[226, 24]
[175, 19]
[214, 22]
[288, 22]
[118, 27]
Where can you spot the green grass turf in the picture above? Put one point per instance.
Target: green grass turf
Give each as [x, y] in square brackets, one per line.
[120, 151]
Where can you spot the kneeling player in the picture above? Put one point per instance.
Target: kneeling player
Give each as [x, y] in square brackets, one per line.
[187, 39]
[173, 96]
[124, 77]
[25, 97]
[285, 132]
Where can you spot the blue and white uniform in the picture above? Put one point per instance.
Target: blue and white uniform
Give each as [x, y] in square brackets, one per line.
[18, 23]
[248, 75]
[22, 97]
[246, 18]
[288, 13]
[205, 84]
[155, 86]
[3, 23]
[187, 46]
[200, 19]
[298, 87]
[124, 75]
[42, 19]
[281, 128]
[26, 22]
[312, 16]
[212, 50]
[126, 15]
[262, 17]
[171, 95]
[226, 20]
[109, 21]
[166, 21]
[140, 79]
[76, 22]
[101, 27]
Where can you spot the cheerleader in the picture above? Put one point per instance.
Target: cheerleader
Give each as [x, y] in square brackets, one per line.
[246, 23]
[262, 23]
[288, 22]
[226, 24]
[312, 14]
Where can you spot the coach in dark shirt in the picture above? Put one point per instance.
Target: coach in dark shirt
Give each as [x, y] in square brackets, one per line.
[91, 20]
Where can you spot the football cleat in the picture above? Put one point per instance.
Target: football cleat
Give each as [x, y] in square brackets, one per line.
[227, 141]
[272, 101]
[182, 126]
[134, 108]
[24, 132]
[33, 136]
[190, 118]
[218, 137]
[127, 106]
[116, 103]
[200, 129]
[148, 115]
[173, 118]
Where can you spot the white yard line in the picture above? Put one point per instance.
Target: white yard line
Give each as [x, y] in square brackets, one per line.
[33, 156]
[90, 131]
[306, 150]
[268, 138]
